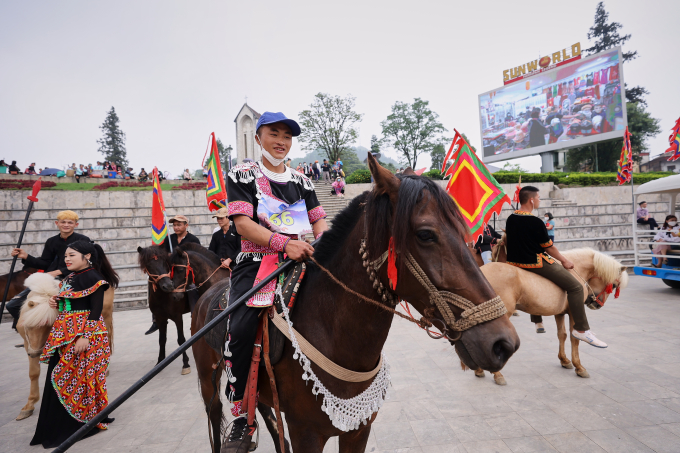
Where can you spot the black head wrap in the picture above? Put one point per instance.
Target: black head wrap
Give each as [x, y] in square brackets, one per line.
[86, 248]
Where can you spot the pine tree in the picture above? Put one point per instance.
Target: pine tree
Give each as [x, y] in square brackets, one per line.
[607, 36]
[375, 145]
[112, 144]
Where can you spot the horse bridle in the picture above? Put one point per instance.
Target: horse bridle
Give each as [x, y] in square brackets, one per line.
[471, 315]
[153, 278]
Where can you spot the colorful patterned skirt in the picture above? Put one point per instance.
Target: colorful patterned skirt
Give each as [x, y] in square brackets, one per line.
[79, 379]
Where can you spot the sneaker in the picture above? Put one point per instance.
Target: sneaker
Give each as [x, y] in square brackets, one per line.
[540, 328]
[589, 337]
[152, 329]
[239, 438]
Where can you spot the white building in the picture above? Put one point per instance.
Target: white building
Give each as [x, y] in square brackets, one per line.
[246, 148]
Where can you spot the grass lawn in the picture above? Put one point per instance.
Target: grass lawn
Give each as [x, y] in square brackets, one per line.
[89, 186]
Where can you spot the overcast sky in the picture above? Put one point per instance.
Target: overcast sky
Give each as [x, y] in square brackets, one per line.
[176, 71]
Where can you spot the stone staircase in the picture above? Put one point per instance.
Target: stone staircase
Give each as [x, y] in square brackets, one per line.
[120, 230]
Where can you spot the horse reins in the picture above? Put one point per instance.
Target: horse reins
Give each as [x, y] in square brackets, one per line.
[189, 270]
[471, 316]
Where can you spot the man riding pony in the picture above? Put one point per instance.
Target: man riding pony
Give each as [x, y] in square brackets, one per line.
[530, 248]
[272, 206]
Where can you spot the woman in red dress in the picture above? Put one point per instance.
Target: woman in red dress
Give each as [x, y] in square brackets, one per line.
[77, 351]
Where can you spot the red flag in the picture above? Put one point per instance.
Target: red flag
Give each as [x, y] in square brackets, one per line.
[625, 167]
[159, 227]
[674, 141]
[515, 198]
[473, 188]
[215, 189]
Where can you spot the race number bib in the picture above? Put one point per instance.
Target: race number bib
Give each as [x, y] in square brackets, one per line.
[280, 217]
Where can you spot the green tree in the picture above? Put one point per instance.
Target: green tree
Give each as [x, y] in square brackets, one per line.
[513, 168]
[375, 144]
[641, 126]
[329, 124]
[606, 35]
[437, 154]
[224, 154]
[112, 144]
[412, 129]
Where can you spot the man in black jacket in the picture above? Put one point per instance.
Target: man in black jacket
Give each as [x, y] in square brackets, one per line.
[225, 242]
[181, 236]
[486, 241]
[52, 258]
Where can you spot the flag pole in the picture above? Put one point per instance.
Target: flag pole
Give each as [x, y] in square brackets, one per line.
[32, 199]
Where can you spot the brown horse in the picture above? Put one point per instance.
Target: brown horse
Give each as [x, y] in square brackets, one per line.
[155, 262]
[17, 284]
[424, 222]
[194, 264]
[35, 323]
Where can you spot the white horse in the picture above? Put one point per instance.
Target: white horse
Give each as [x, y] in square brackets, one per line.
[533, 294]
[35, 323]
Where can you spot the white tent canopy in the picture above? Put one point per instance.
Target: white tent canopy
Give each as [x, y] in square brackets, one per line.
[669, 184]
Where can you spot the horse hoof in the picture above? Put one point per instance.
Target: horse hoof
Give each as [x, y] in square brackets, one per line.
[500, 380]
[186, 370]
[24, 414]
[479, 373]
[567, 365]
[583, 373]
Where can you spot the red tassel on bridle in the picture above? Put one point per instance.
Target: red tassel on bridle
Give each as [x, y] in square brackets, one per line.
[618, 291]
[610, 288]
[392, 265]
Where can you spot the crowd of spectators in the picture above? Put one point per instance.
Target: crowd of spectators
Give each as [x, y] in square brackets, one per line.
[105, 169]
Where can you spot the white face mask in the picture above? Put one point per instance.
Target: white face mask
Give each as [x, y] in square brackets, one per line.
[547, 218]
[672, 223]
[272, 160]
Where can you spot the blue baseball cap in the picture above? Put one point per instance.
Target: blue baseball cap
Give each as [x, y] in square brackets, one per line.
[278, 117]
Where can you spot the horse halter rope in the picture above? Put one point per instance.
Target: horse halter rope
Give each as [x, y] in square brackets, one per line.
[153, 278]
[471, 316]
[189, 270]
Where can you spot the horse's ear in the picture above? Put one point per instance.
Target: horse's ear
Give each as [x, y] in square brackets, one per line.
[409, 172]
[624, 269]
[385, 181]
[139, 250]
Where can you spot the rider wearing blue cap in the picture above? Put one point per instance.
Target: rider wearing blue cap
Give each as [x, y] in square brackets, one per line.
[272, 206]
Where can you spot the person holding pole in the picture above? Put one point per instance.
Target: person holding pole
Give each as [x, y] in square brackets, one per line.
[273, 207]
[52, 258]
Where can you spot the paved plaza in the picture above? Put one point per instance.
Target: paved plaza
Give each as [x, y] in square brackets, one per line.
[631, 403]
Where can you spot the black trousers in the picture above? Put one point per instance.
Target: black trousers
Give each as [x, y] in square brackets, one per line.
[14, 306]
[651, 222]
[242, 328]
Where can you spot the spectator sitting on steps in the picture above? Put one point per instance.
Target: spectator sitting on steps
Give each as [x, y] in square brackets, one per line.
[187, 175]
[644, 218]
[13, 169]
[143, 175]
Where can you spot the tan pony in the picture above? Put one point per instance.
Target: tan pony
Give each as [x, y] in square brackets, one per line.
[35, 323]
[533, 294]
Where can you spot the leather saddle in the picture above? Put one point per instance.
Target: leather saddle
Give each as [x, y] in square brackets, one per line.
[291, 286]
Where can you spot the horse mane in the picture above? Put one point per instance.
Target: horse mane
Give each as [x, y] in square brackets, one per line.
[606, 268]
[42, 287]
[379, 214]
[343, 224]
[178, 254]
[148, 254]
[412, 192]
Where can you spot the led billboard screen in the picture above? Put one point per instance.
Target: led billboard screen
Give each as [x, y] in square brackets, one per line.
[573, 105]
